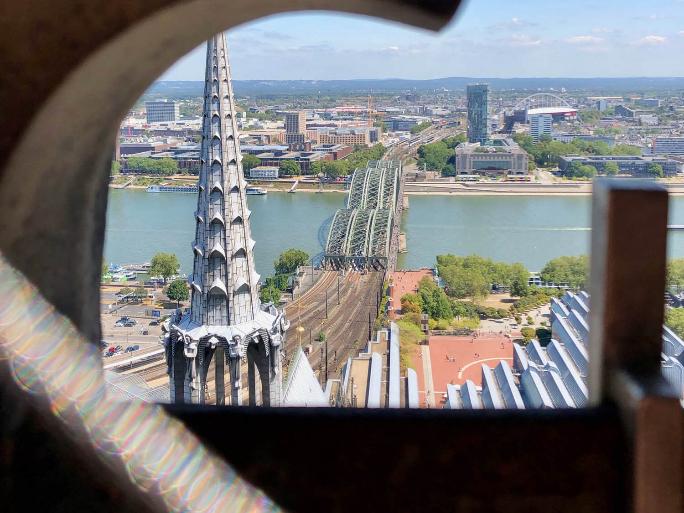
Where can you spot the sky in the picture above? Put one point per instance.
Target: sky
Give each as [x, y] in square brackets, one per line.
[487, 38]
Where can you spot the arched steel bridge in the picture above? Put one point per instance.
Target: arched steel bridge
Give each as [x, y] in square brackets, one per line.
[541, 101]
[360, 235]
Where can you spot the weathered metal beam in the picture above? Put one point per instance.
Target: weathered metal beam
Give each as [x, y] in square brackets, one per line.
[628, 265]
[344, 459]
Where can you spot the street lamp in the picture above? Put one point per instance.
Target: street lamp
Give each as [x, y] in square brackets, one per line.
[300, 330]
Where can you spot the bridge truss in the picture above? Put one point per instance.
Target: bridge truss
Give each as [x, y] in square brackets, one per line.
[359, 236]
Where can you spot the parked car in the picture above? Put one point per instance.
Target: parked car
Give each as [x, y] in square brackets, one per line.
[129, 323]
[103, 344]
[119, 323]
[154, 323]
[118, 348]
[144, 331]
[129, 349]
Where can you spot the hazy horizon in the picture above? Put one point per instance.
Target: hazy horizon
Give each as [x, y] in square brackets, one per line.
[492, 39]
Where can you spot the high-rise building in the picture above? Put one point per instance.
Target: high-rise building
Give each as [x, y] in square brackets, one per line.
[540, 125]
[226, 321]
[295, 127]
[477, 98]
[162, 111]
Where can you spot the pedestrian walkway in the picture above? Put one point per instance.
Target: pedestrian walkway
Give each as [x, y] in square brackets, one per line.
[427, 372]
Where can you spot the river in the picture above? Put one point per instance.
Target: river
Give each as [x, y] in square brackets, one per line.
[527, 229]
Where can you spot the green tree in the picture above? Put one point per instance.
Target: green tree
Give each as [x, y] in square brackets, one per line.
[420, 127]
[675, 274]
[320, 337]
[674, 319]
[573, 270]
[434, 156]
[434, 301]
[611, 169]
[178, 291]
[527, 334]
[519, 280]
[543, 335]
[125, 291]
[164, 265]
[249, 162]
[270, 294]
[116, 167]
[411, 303]
[289, 260]
[655, 170]
[289, 168]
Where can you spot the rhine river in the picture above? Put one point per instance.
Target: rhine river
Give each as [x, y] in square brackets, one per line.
[527, 229]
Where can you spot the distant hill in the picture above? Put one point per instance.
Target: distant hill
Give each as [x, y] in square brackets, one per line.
[186, 89]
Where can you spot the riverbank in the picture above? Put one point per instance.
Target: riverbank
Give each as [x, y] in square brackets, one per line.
[512, 189]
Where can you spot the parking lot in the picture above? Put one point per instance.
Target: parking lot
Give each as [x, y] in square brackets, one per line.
[127, 336]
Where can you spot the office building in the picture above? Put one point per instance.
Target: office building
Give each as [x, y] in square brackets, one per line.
[624, 112]
[500, 157]
[651, 103]
[295, 127]
[264, 173]
[668, 145]
[162, 111]
[540, 126]
[477, 99]
[628, 164]
[345, 136]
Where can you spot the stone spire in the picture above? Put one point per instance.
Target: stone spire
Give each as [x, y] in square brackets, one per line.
[226, 319]
[224, 281]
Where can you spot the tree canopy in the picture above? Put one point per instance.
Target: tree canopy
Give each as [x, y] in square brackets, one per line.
[164, 265]
[675, 274]
[655, 170]
[270, 294]
[474, 276]
[577, 170]
[289, 168]
[674, 319]
[249, 162]
[289, 260]
[573, 270]
[178, 291]
[547, 152]
[165, 166]
[611, 169]
[420, 127]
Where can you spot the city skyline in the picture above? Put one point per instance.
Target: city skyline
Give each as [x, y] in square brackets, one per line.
[485, 40]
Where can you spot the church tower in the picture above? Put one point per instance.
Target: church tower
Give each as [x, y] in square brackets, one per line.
[226, 321]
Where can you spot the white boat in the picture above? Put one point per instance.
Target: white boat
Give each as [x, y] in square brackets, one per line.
[255, 191]
[188, 189]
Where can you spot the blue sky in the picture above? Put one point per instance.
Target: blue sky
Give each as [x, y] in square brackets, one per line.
[488, 38]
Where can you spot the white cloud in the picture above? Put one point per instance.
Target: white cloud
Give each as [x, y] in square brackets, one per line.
[514, 23]
[681, 32]
[521, 40]
[584, 40]
[602, 30]
[651, 40]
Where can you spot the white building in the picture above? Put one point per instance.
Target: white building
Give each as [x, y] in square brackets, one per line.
[540, 125]
[264, 173]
